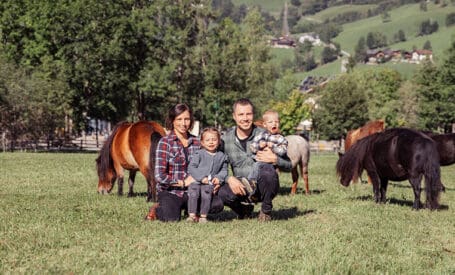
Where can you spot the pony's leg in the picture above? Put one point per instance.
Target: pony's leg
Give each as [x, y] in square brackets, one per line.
[415, 183]
[295, 178]
[376, 185]
[383, 189]
[131, 183]
[120, 185]
[304, 173]
[120, 174]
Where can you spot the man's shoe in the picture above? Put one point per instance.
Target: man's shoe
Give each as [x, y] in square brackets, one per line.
[247, 211]
[264, 217]
[151, 216]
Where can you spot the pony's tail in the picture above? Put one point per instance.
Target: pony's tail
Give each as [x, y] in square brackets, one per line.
[350, 165]
[433, 184]
[104, 162]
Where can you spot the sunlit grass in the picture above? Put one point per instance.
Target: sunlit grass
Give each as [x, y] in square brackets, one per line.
[53, 221]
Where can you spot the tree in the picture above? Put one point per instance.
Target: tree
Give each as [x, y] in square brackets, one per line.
[381, 88]
[399, 36]
[446, 116]
[31, 105]
[385, 17]
[328, 55]
[408, 98]
[450, 19]
[427, 45]
[292, 111]
[376, 40]
[423, 6]
[430, 103]
[360, 54]
[342, 106]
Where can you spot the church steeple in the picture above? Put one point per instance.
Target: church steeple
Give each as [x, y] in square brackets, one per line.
[285, 30]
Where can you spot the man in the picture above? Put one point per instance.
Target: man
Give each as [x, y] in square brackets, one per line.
[236, 146]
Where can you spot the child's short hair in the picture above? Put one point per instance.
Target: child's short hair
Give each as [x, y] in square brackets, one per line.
[212, 130]
[270, 112]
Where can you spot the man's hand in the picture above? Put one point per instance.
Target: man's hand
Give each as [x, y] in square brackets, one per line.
[236, 186]
[266, 156]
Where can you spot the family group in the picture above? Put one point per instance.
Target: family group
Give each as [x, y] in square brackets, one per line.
[192, 173]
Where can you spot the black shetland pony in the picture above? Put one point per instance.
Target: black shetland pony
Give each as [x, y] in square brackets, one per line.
[395, 154]
[446, 148]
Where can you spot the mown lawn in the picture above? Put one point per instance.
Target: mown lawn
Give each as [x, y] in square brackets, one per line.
[53, 221]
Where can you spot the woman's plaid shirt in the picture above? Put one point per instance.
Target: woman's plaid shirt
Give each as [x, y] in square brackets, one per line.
[170, 162]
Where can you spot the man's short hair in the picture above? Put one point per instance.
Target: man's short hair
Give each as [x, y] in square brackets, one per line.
[243, 102]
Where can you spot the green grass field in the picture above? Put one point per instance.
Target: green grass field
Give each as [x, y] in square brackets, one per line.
[407, 18]
[53, 221]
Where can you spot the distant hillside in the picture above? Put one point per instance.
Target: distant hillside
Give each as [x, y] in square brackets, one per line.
[406, 18]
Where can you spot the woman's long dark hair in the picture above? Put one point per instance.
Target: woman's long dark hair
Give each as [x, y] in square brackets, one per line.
[175, 111]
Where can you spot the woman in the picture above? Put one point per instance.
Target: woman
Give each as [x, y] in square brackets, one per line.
[173, 155]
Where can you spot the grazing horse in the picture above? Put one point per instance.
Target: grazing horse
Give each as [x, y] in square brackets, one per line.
[368, 129]
[131, 146]
[395, 154]
[299, 153]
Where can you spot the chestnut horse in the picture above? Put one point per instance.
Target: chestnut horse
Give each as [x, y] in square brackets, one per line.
[299, 154]
[131, 146]
[395, 154]
[368, 129]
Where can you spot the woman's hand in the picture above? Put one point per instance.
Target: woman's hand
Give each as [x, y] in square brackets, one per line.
[266, 156]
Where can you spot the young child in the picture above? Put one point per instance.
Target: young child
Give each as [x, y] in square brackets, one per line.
[271, 139]
[208, 167]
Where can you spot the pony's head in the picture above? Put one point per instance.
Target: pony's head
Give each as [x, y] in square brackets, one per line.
[106, 177]
[345, 178]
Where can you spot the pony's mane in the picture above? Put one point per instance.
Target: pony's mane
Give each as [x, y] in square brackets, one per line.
[350, 165]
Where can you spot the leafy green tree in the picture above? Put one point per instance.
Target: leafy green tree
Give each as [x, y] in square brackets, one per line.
[31, 105]
[408, 115]
[292, 111]
[450, 19]
[385, 17]
[399, 36]
[328, 55]
[430, 104]
[341, 107]
[381, 88]
[360, 54]
[447, 80]
[376, 40]
[427, 45]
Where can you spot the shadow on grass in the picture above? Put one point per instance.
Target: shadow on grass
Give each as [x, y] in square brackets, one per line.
[287, 191]
[398, 185]
[400, 202]
[282, 214]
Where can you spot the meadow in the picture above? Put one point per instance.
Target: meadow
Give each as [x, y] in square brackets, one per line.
[53, 221]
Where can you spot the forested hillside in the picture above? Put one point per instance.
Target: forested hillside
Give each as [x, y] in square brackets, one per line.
[67, 63]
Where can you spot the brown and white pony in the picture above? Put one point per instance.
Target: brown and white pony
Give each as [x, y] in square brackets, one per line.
[131, 146]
